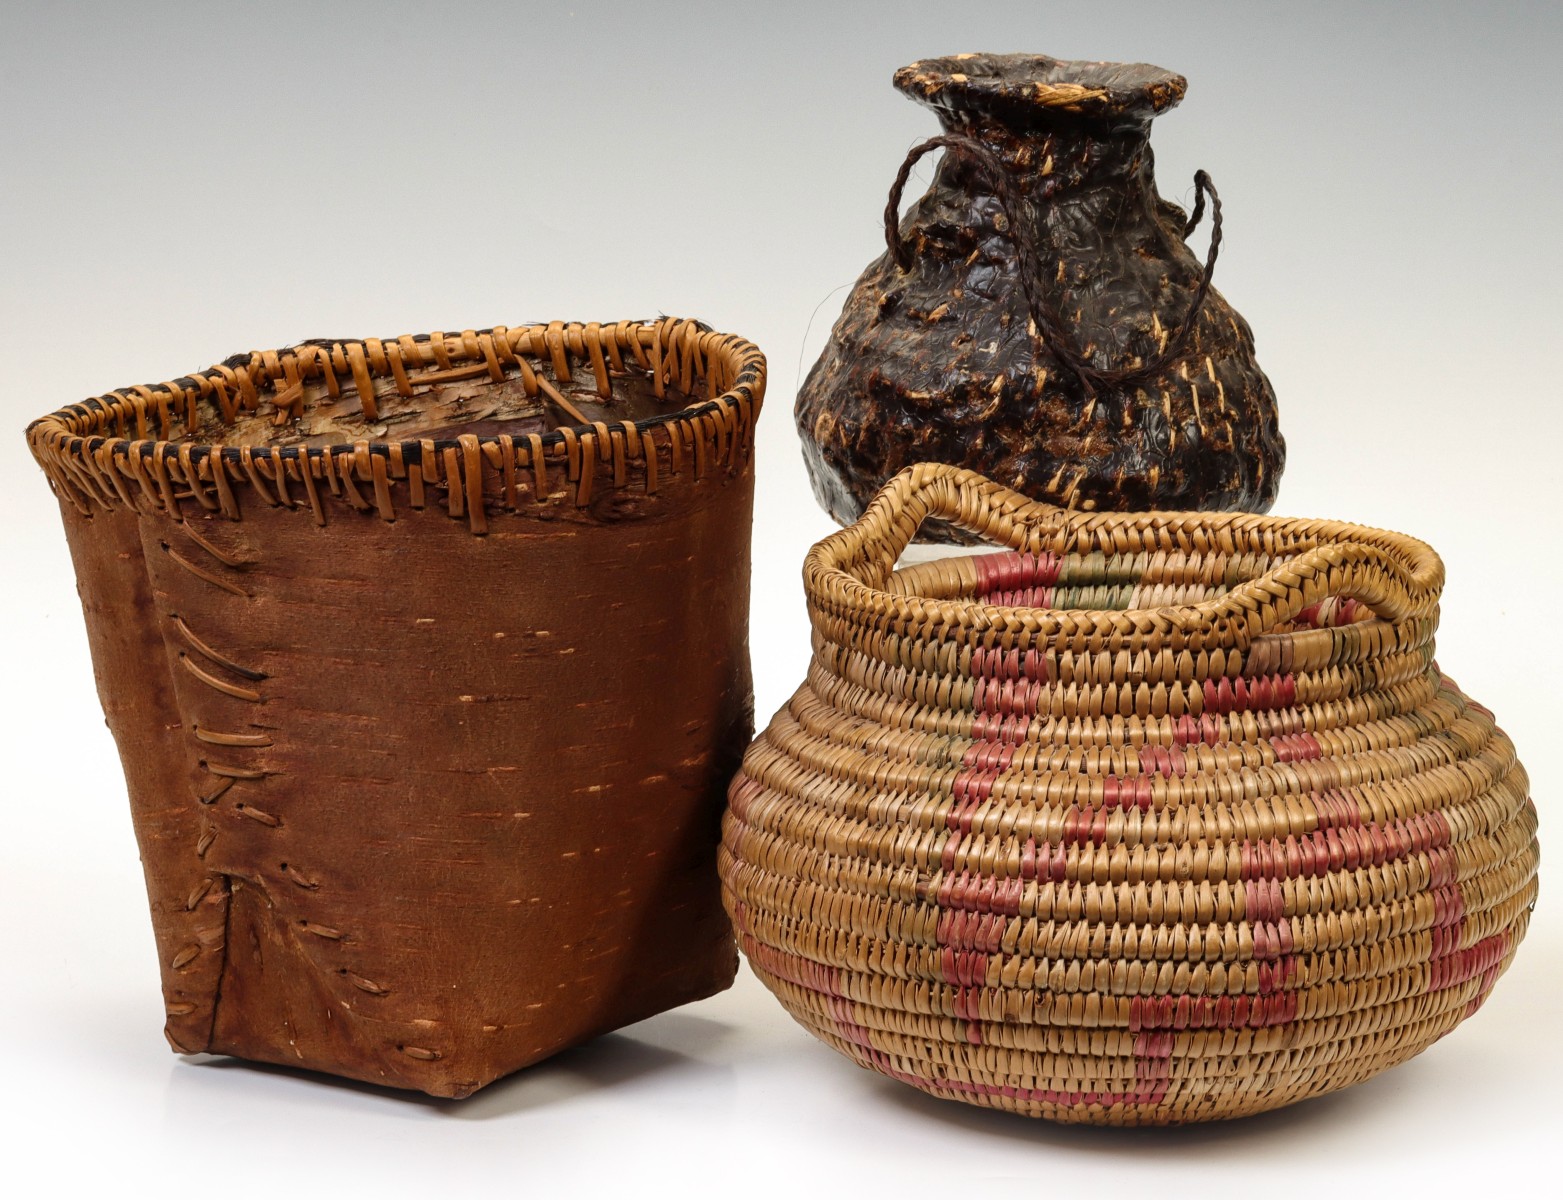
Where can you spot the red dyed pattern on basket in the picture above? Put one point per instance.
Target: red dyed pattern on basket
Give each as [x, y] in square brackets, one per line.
[1160, 760]
[1344, 842]
[1151, 1068]
[1337, 809]
[1264, 693]
[1296, 747]
[1204, 729]
[820, 978]
[1007, 686]
[825, 981]
[1492, 951]
[1019, 580]
[1133, 792]
[1006, 689]
[1331, 613]
[1264, 908]
[1085, 825]
[1448, 964]
[961, 963]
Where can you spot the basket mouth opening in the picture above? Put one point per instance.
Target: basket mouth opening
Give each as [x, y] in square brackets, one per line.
[1029, 86]
[1104, 578]
[439, 410]
[1085, 582]
[538, 382]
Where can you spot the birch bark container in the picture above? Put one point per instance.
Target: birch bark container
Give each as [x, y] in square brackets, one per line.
[427, 661]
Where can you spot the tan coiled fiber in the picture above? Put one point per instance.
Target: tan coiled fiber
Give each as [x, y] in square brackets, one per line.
[1151, 818]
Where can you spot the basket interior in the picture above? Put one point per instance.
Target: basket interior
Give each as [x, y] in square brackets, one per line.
[496, 411]
[1097, 581]
[522, 382]
[439, 407]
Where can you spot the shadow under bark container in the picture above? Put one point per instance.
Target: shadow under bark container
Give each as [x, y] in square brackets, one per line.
[427, 661]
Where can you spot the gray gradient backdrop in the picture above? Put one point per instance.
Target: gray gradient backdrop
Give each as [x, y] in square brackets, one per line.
[183, 181]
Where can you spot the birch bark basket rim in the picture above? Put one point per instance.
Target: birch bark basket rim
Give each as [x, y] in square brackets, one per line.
[87, 466]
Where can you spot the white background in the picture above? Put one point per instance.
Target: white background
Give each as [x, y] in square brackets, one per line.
[180, 182]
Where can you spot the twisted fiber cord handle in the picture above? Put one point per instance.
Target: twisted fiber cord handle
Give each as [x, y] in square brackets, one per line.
[846, 574]
[1046, 323]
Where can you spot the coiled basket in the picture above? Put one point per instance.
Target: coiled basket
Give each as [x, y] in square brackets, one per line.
[428, 664]
[1145, 819]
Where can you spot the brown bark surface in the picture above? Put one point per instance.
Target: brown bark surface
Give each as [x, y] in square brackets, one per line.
[427, 739]
[472, 810]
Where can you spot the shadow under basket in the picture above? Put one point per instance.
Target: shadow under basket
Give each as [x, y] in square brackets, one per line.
[427, 661]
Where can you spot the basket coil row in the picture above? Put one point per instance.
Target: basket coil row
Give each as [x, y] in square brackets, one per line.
[1147, 819]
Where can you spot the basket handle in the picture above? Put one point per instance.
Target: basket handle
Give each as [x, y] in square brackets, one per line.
[1354, 561]
[1045, 321]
